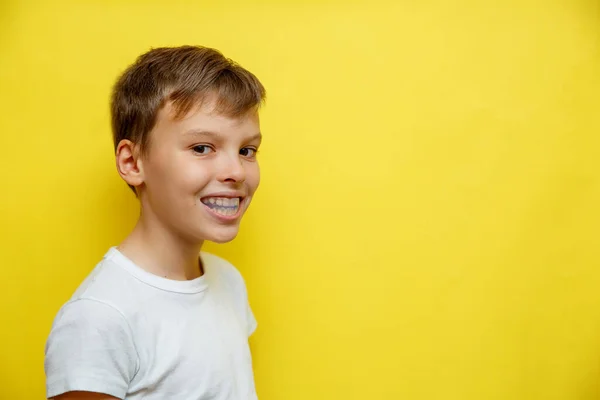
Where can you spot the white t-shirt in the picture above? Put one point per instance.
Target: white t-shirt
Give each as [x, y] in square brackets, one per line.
[135, 335]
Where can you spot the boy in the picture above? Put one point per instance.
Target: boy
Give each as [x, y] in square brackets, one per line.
[157, 318]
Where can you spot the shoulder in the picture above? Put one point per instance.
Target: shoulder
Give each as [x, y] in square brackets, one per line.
[96, 303]
[220, 267]
[220, 270]
[107, 284]
[89, 317]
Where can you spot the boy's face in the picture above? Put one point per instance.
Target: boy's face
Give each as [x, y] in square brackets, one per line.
[200, 173]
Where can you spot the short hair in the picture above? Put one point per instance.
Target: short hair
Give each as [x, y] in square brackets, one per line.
[183, 76]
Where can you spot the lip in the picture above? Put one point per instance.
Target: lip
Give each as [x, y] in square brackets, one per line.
[229, 195]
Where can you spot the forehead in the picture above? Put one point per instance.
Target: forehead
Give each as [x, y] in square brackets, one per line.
[205, 117]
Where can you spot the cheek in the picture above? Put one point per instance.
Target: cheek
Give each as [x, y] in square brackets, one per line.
[157, 176]
[193, 178]
[179, 176]
[253, 176]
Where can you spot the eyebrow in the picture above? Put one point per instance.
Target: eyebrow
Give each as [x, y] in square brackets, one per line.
[257, 136]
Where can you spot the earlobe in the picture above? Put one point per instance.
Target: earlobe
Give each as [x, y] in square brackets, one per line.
[128, 163]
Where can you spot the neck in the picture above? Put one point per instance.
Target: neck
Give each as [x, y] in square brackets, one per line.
[161, 251]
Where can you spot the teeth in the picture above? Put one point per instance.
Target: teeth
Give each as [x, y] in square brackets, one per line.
[223, 205]
[225, 211]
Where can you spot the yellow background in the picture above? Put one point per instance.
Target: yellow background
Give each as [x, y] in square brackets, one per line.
[427, 225]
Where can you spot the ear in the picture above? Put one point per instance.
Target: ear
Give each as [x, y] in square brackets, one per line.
[129, 164]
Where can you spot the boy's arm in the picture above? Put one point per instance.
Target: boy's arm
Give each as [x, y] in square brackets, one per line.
[90, 350]
[84, 396]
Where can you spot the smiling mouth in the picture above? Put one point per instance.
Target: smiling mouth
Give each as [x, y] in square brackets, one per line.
[224, 206]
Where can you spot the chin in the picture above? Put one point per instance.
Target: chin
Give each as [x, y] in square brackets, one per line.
[222, 237]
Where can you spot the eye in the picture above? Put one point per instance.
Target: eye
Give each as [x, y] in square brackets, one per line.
[248, 152]
[202, 149]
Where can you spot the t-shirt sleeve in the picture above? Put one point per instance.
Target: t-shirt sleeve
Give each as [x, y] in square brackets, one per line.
[250, 320]
[241, 296]
[252, 324]
[90, 348]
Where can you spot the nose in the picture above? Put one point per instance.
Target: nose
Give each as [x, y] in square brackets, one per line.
[231, 169]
